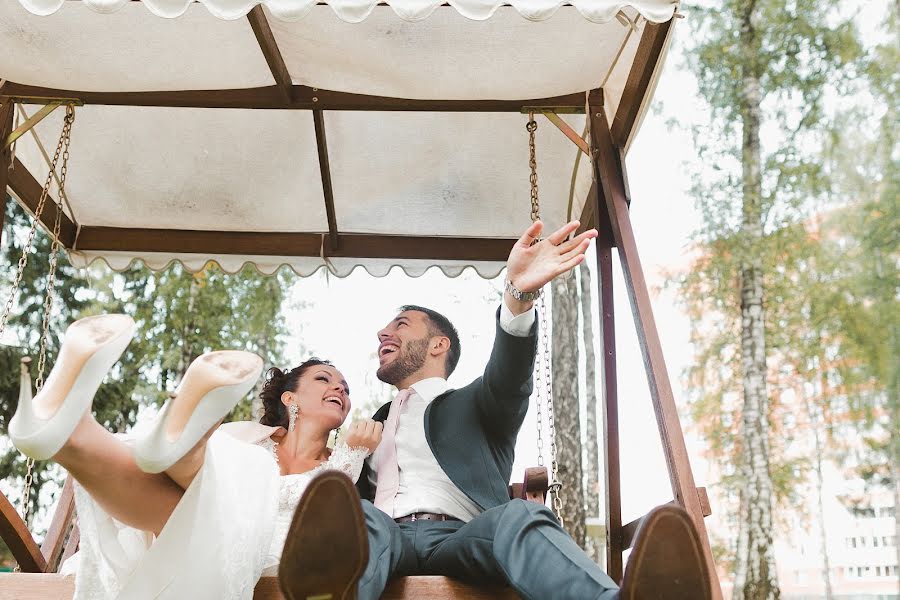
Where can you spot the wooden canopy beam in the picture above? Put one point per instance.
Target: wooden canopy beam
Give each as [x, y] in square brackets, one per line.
[28, 190]
[113, 239]
[7, 109]
[637, 86]
[302, 98]
[266, 39]
[325, 171]
[608, 172]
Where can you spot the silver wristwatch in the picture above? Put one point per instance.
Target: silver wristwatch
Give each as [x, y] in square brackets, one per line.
[520, 295]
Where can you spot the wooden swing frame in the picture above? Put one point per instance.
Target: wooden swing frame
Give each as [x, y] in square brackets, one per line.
[607, 210]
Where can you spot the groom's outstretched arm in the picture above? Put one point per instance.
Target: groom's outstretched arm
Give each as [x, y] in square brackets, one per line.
[507, 383]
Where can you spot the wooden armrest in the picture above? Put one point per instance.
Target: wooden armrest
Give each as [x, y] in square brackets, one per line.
[534, 487]
[630, 529]
[15, 533]
[63, 518]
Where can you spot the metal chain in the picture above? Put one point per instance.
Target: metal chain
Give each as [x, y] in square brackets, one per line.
[62, 148]
[543, 367]
[555, 485]
[54, 251]
[531, 126]
[23, 260]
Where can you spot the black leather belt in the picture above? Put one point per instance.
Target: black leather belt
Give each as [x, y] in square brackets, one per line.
[425, 516]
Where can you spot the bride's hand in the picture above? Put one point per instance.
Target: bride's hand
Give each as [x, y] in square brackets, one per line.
[364, 434]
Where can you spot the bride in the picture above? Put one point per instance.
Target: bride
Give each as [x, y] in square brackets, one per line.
[181, 508]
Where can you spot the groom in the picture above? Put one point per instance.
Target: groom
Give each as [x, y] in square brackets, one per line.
[435, 490]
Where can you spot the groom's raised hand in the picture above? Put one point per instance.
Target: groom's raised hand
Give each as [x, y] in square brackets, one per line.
[531, 266]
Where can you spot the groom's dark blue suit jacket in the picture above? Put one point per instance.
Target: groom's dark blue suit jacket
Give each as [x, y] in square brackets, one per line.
[472, 431]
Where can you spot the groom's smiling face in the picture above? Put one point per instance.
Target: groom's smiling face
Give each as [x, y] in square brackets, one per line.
[403, 346]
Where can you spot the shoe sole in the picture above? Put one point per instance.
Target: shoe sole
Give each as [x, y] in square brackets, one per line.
[323, 559]
[82, 364]
[212, 386]
[665, 523]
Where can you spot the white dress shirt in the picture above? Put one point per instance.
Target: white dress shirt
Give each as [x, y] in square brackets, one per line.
[424, 486]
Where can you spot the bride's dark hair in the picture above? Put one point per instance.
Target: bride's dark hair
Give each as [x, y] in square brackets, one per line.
[277, 383]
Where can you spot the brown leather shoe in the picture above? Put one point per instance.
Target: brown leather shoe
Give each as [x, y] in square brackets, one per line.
[327, 548]
[667, 561]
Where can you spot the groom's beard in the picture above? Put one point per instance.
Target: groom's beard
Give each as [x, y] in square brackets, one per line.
[411, 359]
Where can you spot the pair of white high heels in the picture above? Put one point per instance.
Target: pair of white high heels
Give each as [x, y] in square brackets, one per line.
[213, 384]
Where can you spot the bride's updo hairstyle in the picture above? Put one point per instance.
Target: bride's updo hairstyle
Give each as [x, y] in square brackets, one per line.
[277, 383]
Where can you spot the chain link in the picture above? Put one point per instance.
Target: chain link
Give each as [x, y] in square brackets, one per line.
[531, 126]
[54, 250]
[62, 148]
[543, 374]
[547, 380]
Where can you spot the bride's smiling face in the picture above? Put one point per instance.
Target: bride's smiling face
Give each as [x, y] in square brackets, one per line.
[322, 395]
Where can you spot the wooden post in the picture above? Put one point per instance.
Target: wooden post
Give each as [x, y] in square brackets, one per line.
[608, 171]
[7, 108]
[610, 408]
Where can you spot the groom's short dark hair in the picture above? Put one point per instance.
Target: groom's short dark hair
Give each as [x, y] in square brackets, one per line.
[438, 324]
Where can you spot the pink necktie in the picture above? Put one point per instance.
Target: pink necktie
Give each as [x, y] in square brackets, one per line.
[388, 469]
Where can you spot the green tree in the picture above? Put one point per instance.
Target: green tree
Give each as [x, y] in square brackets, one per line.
[865, 163]
[762, 66]
[71, 300]
[179, 315]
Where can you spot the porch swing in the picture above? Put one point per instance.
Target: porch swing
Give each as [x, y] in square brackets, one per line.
[296, 42]
[62, 538]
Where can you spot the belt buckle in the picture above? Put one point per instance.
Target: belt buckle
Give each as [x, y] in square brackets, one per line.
[412, 518]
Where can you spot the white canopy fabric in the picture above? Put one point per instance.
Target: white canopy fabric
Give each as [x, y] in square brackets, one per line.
[354, 11]
[425, 174]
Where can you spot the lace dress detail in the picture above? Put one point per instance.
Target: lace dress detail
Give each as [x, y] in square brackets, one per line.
[348, 461]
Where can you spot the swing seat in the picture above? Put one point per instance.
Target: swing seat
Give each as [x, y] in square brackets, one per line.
[40, 580]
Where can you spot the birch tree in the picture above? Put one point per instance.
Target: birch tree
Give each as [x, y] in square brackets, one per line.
[592, 463]
[564, 290]
[762, 66]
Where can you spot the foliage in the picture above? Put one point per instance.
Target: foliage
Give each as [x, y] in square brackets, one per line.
[770, 74]
[179, 316]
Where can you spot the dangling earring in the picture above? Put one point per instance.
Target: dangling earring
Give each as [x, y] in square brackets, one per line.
[292, 416]
[337, 432]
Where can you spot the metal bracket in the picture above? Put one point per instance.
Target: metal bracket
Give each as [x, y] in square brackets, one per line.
[568, 131]
[36, 118]
[569, 110]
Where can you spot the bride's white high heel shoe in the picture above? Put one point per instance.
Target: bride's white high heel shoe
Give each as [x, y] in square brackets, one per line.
[91, 346]
[212, 386]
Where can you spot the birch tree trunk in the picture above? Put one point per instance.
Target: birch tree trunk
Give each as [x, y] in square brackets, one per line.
[756, 560]
[187, 335]
[815, 421]
[566, 405]
[592, 465]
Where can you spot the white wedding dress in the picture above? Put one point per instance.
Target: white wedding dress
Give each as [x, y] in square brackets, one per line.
[225, 533]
